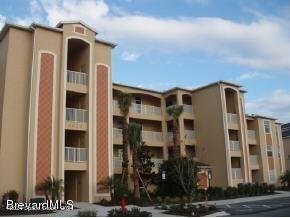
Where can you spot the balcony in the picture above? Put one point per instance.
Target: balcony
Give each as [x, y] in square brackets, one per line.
[237, 176]
[254, 162]
[252, 137]
[117, 165]
[187, 109]
[77, 81]
[141, 110]
[235, 148]
[151, 138]
[232, 121]
[75, 158]
[76, 119]
[189, 136]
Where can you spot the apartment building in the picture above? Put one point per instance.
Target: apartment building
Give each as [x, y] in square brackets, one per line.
[286, 141]
[55, 109]
[59, 117]
[214, 129]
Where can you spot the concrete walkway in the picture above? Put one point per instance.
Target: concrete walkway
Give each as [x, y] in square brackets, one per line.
[103, 211]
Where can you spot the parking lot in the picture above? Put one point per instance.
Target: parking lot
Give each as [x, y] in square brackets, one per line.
[276, 207]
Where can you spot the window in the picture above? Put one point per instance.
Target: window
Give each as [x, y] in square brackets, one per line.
[272, 176]
[120, 154]
[269, 150]
[267, 126]
[138, 103]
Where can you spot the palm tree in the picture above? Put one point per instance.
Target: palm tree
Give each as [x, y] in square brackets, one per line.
[51, 186]
[135, 140]
[175, 111]
[125, 102]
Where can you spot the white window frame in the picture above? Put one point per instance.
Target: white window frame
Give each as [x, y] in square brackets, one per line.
[267, 126]
[269, 149]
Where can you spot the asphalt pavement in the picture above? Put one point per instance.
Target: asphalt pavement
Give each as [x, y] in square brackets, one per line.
[268, 208]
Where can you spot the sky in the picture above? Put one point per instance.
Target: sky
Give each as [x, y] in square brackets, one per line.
[185, 43]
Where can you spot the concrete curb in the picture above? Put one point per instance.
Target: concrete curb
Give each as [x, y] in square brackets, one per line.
[217, 214]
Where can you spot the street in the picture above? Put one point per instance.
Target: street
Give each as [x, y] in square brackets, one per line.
[269, 208]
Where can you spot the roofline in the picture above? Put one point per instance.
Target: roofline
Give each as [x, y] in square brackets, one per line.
[46, 27]
[134, 87]
[59, 24]
[113, 45]
[218, 83]
[7, 25]
[261, 116]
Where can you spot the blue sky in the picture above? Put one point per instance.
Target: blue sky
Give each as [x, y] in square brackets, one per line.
[186, 43]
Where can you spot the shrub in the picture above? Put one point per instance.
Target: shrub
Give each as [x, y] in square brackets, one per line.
[231, 192]
[199, 194]
[285, 179]
[10, 195]
[191, 210]
[271, 188]
[134, 212]
[215, 193]
[87, 213]
[241, 189]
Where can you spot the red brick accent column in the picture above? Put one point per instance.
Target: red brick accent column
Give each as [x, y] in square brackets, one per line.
[44, 129]
[102, 74]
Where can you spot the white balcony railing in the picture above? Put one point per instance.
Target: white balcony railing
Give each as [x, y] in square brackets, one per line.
[76, 115]
[254, 160]
[146, 135]
[117, 162]
[157, 161]
[139, 109]
[251, 135]
[235, 146]
[187, 109]
[237, 173]
[145, 109]
[117, 133]
[152, 136]
[189, 134]
[76, 155]
[232, 118]
[77, 77]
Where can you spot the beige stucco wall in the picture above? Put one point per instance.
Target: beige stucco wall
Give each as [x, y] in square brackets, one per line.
[210, 132]
[15, 112]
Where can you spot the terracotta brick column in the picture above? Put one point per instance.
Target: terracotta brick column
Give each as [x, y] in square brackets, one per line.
[44, 126]
[102, 148]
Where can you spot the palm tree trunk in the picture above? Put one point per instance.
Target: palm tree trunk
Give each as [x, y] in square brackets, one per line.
[125, 162]
[175, 152]
[135, 176]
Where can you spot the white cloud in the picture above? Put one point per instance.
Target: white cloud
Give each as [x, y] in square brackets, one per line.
[277, 105]
[261, 44]
[2, 21]
[130, 56]
[250, 75]
[36, 13]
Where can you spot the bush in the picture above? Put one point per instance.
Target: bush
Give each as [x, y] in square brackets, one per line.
[271, 189]
[191, 210]
[134, 212]
[87, 213]
[10, 195]
[215, 193]
[199, 194]
[231, 192]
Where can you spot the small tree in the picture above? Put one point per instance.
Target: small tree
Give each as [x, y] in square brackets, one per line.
[285, 179]
[175, 111]
[51, 186]
[125, 102]
[135, 139]
[181, 177]
[146, 164]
